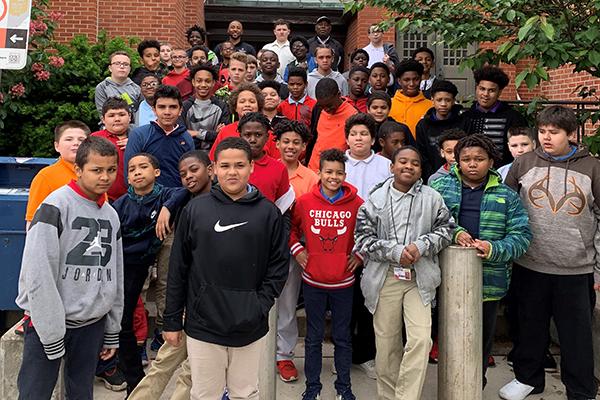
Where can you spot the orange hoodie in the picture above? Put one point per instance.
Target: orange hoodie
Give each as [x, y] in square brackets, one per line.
[409, 110]
[330, 132]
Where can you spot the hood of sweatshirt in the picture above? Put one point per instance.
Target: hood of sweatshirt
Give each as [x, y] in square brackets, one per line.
[350, 193]
[399, 96]
[580, 152]
[128, 82]
[252, 196]
[379, 195]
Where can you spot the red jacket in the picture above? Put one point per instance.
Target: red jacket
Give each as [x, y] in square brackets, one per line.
[297, 112]
[329, 232]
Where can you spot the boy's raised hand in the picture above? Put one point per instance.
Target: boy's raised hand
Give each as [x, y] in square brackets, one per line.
[162, 223]
[465, 240]
[173, 338]
[302, 258]
[353, 262]
[106, 354]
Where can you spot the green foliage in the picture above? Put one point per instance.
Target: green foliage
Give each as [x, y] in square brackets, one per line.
[56, 85]
[546, 34]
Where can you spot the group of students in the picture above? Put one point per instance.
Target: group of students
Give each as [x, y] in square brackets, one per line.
[271, 195]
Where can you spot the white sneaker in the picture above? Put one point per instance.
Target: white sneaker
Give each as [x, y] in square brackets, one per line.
[368, 368]
[515, 390]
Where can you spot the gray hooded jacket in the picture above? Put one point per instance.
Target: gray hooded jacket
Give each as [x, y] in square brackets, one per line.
[421, 217]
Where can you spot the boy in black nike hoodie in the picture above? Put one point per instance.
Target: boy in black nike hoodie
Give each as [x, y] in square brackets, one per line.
[228, 264]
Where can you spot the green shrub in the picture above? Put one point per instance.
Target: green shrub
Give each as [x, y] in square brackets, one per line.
[56, 85]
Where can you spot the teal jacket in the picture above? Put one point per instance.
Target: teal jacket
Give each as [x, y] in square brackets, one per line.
[503, 222]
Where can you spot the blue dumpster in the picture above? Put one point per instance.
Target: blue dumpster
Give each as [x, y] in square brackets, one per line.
[16, 174]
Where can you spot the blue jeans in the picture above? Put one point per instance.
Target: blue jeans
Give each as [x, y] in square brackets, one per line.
[315, 304]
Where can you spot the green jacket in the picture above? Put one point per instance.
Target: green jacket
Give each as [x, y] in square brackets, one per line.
[503, 222]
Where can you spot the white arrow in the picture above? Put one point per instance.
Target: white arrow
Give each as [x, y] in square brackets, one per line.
[14, 38]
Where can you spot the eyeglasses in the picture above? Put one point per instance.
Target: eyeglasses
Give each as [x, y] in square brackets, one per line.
[178, 57]
[121, 64]
[149, 84]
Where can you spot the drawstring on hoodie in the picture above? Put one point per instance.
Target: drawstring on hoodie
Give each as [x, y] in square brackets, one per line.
[566, 175]
[407, 218]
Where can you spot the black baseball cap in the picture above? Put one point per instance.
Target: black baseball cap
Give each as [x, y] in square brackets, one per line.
[324, 18]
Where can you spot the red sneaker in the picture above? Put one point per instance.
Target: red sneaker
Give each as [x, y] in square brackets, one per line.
[491, 362]
[434, 353]
[287, 370]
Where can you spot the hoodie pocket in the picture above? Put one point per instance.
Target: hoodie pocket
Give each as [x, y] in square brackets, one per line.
[328, 268]
[558, 245]
[225, 311]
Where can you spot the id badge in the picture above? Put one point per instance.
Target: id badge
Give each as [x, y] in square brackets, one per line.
[402, 274]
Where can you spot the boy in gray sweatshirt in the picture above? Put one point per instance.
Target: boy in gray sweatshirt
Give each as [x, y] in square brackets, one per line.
[71, 282]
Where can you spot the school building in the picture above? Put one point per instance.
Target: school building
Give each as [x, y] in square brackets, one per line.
[167, 20]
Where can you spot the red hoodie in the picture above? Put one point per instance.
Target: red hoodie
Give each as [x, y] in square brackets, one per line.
[329, 232]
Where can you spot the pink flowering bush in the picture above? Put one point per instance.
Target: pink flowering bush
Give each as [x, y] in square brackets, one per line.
[17, 90]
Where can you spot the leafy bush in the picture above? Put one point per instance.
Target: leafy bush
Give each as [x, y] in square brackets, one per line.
[56, 85]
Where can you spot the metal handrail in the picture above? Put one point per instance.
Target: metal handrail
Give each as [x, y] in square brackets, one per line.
[578, 106]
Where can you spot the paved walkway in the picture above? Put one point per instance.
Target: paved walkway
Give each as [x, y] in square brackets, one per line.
[365, 388]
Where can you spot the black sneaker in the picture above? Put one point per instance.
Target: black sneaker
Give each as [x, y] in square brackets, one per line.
[550, 363]
[113, 380]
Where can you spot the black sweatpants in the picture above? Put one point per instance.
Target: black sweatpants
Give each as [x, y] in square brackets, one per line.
[489, 317]
[361, 326]
[130, 359]
[568, 299]
[38, 374]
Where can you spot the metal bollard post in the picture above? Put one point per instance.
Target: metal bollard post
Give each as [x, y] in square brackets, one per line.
[267, 383]
[460, 327]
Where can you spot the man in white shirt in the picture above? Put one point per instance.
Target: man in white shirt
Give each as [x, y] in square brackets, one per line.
[281, 45]
[380, 51]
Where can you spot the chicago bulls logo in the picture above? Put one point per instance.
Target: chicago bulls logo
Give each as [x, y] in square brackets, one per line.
[575, 199]
[328, 242]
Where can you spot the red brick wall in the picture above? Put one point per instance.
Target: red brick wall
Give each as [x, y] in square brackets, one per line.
[78, 17]
[358, 29]
[165, 20]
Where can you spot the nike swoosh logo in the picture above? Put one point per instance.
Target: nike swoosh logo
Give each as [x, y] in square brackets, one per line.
[223, 228]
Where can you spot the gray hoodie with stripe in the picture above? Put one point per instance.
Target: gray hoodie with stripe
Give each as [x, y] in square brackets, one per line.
[72, 269]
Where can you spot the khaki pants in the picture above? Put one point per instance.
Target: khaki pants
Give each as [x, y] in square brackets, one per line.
[215, 367]
[168, 359]
[401, 370]
[162, 271]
